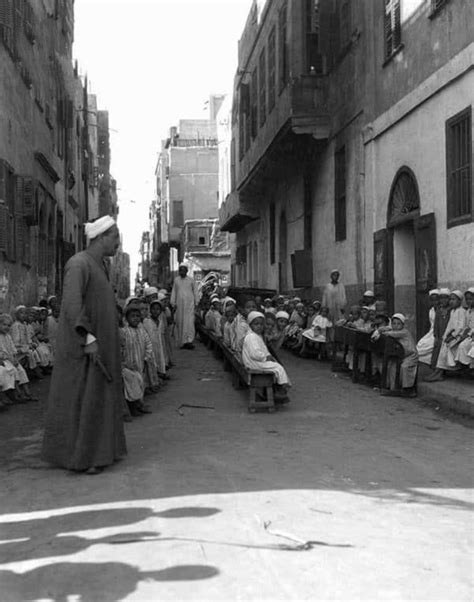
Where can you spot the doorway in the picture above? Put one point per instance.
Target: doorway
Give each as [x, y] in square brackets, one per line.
[405, 255]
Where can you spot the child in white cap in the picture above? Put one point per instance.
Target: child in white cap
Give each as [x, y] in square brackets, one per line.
[255, 355]
[409, 365]
[425, 345]
[465, 352]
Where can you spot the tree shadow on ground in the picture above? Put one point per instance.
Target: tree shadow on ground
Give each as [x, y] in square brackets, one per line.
[89, 582]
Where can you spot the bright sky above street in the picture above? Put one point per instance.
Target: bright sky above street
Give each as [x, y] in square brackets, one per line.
[151, 63]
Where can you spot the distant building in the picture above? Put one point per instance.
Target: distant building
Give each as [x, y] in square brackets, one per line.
[187, 186]
[206, 249]
[119, 274]
[352, 148]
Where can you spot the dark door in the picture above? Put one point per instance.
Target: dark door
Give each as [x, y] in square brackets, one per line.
[383, 267]
[426, 268]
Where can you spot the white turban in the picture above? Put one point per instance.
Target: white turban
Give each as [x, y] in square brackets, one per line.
[253, 315]
[445, 292]
[282, 314]
[99, 226]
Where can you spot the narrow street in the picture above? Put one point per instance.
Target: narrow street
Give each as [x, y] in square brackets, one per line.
[341, 495]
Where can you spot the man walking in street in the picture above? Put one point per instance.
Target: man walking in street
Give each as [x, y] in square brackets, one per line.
[184, 298]
[83, 423]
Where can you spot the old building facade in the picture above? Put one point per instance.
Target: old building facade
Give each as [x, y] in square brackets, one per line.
[352, 148]
[48, 181]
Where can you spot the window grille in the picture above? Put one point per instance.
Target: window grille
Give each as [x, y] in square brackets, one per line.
[340, 193]
[392, 27]
[262, 81]
[459, 168]
[271, 70]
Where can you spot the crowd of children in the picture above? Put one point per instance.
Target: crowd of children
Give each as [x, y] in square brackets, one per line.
[307, 329]
[27, 346]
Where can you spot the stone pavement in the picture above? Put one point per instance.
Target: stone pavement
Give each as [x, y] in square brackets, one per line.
[342, 495]
[453, 393]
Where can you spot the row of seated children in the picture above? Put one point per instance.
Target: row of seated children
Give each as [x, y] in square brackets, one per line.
[448, 346]
[27, 344]
[145, 337]
[244, 331]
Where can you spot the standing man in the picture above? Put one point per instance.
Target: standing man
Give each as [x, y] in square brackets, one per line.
[83, 423]
[184, 298]
[334, 297]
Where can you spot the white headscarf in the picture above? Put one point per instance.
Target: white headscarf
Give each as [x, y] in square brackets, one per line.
[99, 226]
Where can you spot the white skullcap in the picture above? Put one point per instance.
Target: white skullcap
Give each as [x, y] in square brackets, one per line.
[434, 291]
[470, 290]
[131, 299]
[253, 315]
[229, 301]
[18, 307]
[458, 294]
[400, 317]
[282, 314]
[101, 225]
[444, 291]
[163, 291]
[334, 271]
[151, 290]
[162, 296]
[369, 294]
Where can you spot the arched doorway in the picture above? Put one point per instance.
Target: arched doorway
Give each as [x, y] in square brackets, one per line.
[283, 254]
[405, 253]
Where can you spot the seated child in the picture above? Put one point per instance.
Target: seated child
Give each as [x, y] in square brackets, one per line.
[13, 378]
[214, 316]
[136, 349]
[465, 352]
[316, 336]
[230, 314]
[255, 356]
[282, 325]
[409, 365]
[240, 327]
[24, 344]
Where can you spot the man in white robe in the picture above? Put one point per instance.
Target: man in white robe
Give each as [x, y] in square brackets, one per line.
[184, 298]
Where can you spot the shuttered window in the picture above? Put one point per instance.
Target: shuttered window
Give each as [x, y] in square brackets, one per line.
[314, 60]
[392, 27]
[262, 83]
[340, 194]
[283, 62]
[459, 168]
[178, 214]
[271, 70]
[254, 104]
[272, 233]
[7, 25]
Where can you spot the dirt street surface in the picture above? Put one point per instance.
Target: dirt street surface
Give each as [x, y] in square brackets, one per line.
[342, 495]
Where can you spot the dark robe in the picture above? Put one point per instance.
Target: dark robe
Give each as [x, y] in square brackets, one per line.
[83, 423]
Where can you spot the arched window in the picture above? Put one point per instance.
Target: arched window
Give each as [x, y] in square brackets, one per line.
[404, 202]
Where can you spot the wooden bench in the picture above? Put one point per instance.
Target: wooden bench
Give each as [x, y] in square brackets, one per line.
[254, 380]
[361, 342]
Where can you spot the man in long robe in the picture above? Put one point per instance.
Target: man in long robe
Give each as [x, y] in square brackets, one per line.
[184, 298]
[83, 423]
[334, 297]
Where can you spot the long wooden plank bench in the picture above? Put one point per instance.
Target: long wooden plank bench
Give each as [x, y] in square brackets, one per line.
[256, 382]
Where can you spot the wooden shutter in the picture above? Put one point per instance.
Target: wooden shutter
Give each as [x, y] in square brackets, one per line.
[302, 267]
[19, 189]
[383, 267]
[3, 227]
[29, 205]
[11, 238]
[426, 267]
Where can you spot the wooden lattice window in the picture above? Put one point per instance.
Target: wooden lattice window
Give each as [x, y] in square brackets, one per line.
[459, 168]
[392, 27]
[271, 69]
[314, 60]
[340, 217]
